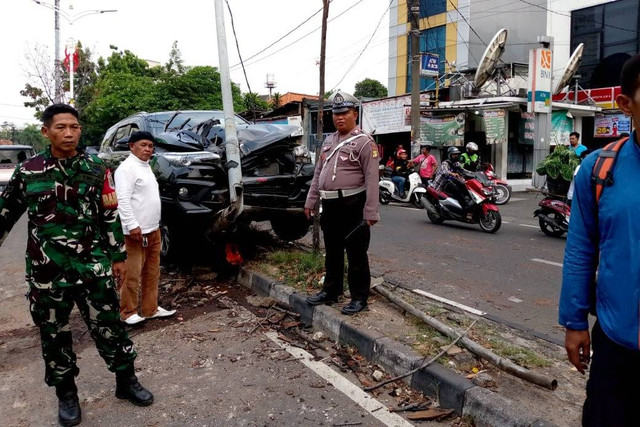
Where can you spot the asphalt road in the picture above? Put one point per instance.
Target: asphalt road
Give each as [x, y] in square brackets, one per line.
[514, 275]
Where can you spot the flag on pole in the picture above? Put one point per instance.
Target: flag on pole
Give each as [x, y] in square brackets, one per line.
[67, 60]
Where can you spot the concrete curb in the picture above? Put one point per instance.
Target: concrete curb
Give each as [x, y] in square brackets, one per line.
[453, 390]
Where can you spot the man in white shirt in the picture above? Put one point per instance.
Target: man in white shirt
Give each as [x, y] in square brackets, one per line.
[139, 209]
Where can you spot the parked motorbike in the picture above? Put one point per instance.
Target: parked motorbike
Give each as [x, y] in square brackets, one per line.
[413, 194]
[502, 188]
[442, 207]
[553, 214]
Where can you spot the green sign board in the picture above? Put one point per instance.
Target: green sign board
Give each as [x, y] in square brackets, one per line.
[442, 130]
[494, 124]
[561, 127]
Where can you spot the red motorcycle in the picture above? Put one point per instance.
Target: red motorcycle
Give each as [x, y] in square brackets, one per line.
[442, 207]
[502, 187]
[554, 212]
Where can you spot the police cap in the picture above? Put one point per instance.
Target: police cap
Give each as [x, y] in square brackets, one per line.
[343, 101]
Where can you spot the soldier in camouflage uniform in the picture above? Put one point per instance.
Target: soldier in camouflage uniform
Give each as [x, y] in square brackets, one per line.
[75, 249]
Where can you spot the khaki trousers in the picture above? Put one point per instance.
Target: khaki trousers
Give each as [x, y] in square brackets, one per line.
[143, 274]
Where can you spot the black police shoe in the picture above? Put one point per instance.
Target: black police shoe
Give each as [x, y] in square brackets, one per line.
[69, 413]
[128, 387]
[322, 298]
[354, 307]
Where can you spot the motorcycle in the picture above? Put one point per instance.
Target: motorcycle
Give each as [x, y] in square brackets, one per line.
[442, 207]
[413, 194]
[502, 187]
[553, 214]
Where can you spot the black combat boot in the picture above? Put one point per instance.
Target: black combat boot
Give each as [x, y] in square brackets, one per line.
[128, 387]
[69, 413]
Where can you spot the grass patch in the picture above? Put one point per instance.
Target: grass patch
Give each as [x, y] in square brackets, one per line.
[299, 269]
[522, 356]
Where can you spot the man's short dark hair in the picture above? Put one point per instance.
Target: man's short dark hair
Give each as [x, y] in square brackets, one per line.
[140, 135]
[576, 134]
[629, 81]
[52, 110]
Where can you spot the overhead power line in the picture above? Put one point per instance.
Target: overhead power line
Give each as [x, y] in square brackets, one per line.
[303, 37]
[365, 47]
[281, 38]
[233, 27]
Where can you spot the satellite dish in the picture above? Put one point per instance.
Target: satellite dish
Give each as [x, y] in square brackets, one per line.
[491, 55]
[570, 70]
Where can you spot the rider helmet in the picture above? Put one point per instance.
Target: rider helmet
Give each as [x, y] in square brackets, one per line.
[472, 147]
[453, 153]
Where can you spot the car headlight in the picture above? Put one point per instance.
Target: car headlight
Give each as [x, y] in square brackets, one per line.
[185, 159]
[301, 154]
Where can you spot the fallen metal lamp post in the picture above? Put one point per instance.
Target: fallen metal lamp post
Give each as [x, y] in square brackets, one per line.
[500, 362]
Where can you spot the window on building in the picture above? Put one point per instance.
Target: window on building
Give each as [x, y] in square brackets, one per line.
[610, 35]
[432, 40]
[432, 7]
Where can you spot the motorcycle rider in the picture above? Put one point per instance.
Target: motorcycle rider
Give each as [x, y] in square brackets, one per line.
[449, 178]
[401, 171]
[470, 160]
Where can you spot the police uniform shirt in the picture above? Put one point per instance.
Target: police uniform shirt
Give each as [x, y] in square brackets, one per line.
[353, 165]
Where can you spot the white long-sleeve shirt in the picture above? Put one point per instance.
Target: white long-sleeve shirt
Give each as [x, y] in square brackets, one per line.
[138, 195]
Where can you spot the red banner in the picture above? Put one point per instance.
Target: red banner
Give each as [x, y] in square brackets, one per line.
[67, 60]
[604, 97]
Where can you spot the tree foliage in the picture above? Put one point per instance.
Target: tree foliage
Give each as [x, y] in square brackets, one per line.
[370, 88]
[28, 135]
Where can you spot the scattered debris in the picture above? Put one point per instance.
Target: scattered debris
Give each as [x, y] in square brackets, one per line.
[430, 414]
[319, 337]
[452, 351]
[483, 379]
[378, 375]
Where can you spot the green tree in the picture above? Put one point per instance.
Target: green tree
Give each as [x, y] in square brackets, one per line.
[370, 88]
[29, 135]
[175, 65]
[252, 101]
[276, 99]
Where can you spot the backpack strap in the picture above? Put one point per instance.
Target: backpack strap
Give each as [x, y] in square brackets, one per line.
[602, 174]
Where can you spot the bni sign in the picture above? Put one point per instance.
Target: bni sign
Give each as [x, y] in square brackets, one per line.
[539, 90]
[430, 65]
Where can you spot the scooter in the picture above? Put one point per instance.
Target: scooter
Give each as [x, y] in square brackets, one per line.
[442, 207]
[413, 194]
[553, 214]
[502, 187]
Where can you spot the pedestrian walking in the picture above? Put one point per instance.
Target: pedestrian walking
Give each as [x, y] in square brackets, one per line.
[603, 237]
[346, 181]
[75, 250]
[139, 209]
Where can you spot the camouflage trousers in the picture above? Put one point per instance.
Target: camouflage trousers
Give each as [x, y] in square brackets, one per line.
[99, 306]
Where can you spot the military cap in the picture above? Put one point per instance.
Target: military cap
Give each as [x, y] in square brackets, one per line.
[342, 101]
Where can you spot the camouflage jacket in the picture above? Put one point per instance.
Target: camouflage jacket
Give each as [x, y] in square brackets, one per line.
[72, 237]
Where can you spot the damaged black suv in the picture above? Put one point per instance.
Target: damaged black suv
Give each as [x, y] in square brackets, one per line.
[189, 162]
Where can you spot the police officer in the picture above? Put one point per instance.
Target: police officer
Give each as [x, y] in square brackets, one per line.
[346, 181]
[75, 249]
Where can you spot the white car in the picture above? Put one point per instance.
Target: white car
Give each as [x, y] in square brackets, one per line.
[10, 156]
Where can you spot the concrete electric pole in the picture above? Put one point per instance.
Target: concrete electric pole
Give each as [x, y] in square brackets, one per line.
[233, 165]
[415, 77]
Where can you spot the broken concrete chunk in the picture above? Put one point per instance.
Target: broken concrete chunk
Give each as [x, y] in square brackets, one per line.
[378, 375]
[452, 351]
[483, 379]
[319, 337]
[464, 361]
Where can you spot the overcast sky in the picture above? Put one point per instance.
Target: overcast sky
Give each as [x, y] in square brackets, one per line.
[149, 27]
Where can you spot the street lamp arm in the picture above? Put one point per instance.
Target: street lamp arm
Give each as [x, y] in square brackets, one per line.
[72, 18]
[82, 14]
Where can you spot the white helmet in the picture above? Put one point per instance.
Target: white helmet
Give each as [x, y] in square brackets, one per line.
[472, 146]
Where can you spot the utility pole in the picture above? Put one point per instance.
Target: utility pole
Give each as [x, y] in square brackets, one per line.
[56, 60]
[542, 126]
[415, 77]
[233, 165]
[319, 139]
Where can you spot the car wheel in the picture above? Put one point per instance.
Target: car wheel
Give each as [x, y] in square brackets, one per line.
[290, 228]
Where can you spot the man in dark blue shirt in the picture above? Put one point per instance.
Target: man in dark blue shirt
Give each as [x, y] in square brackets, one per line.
[604, 235]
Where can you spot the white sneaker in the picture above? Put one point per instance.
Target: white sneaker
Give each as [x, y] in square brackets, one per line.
[133, 319]
[161, 312]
